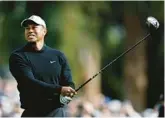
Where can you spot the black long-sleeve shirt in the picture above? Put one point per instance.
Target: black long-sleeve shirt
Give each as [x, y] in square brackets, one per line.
[39, 74]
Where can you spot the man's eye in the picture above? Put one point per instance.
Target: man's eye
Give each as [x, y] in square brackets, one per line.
[27, 28]
[35, 27]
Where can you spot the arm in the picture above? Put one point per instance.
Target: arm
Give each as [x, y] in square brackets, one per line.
[23, 73]
[68, 86]
[66, 77]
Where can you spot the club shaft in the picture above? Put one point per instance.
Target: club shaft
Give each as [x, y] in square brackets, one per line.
[122, 54]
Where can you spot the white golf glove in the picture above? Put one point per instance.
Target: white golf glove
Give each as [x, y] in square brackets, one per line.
[65, 99]
[152, 21]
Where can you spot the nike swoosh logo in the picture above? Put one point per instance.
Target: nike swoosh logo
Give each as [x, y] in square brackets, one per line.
[52, 62]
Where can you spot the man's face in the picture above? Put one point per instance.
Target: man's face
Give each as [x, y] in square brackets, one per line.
[34, 32]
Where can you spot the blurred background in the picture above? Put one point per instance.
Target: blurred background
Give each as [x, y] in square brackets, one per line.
[91, 34]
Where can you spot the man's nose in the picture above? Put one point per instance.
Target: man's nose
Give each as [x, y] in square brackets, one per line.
[31, 30]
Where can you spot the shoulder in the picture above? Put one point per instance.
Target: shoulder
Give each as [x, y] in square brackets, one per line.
[19, 49]
[17, 52]
[61, 56]
[55, 51]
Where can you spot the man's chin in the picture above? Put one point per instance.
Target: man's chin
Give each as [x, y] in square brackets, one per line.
[32, 40]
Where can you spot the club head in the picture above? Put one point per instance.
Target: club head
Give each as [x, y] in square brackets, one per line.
[151, 21]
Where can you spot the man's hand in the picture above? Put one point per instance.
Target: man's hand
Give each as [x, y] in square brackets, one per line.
[68, 91]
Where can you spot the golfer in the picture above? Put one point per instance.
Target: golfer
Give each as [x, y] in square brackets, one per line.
[43, 76]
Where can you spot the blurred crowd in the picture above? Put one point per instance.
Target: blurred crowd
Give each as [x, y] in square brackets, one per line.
[78, 107]
[9, 99]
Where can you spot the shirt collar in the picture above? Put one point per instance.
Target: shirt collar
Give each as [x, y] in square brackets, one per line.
[29, 47]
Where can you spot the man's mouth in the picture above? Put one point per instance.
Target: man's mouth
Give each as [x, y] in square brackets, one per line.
[31, 36]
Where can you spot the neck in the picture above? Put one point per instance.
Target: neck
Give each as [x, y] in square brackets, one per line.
[38, 45]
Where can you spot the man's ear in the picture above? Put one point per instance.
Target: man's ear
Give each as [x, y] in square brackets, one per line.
[45, 31]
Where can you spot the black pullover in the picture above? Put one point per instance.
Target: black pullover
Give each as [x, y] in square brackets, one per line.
[40, 75]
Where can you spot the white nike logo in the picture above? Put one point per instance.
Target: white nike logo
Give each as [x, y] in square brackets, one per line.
[52, 62]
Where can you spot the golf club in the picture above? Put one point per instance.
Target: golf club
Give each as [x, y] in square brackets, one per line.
[151, 22]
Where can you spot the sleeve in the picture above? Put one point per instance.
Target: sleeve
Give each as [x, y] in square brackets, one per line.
[66, 76]
[22, 72]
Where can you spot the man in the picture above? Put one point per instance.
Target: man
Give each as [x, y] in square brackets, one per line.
[42, 73]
